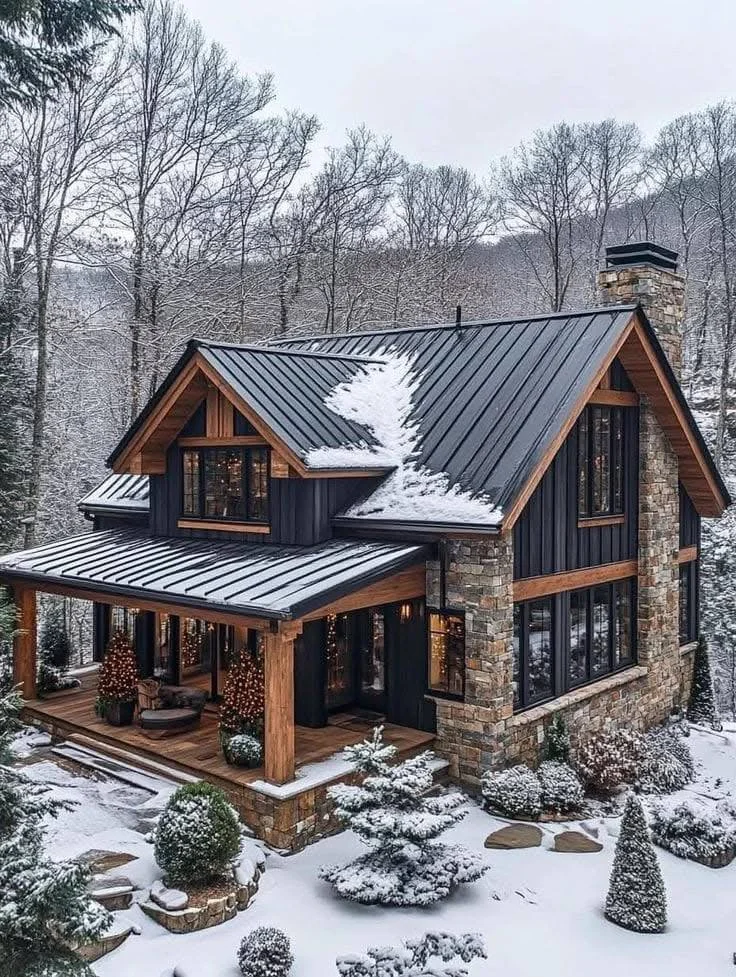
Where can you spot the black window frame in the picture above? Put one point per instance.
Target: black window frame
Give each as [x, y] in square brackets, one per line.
[436, 691]
[560, 629]
[246, 451]
[688, 602]
[615, 454]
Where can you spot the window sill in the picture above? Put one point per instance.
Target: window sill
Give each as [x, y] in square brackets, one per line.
[224, 527]
[688, 648]
[590, 522]
[599, 687]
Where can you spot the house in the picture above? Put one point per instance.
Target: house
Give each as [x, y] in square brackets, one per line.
[463, 529]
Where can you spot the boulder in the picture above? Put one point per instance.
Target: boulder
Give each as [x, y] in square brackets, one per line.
[172, 900]
[575, 841]
[112, 892]
[515, 836]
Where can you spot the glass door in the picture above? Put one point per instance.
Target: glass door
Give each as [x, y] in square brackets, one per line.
[341, 661]
[371, 632]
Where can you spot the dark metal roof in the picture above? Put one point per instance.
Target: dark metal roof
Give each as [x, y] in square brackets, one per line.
[279, 582]
[118, 493]
[287, 389]
[492, 395]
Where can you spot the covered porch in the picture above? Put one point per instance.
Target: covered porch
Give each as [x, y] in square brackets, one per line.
[289, 599]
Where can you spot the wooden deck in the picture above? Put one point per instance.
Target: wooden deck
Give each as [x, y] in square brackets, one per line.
[197, 752]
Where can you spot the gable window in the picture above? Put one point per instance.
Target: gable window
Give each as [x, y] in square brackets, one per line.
[601, 461]
[229, 484]
[447, 653]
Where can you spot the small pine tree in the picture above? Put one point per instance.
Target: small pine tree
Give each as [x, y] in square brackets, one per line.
[636, 895]
[702, 706]
[54, 645]
[392, 814]
[557, 740]
[243, 696]
[118, 675]
[414, 958]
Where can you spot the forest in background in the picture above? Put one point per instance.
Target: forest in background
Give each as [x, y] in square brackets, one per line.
[163, 197]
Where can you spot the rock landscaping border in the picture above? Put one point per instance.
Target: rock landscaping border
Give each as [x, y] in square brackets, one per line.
[216, 910]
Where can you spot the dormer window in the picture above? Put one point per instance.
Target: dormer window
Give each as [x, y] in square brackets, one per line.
[600, 462]
[229, 484]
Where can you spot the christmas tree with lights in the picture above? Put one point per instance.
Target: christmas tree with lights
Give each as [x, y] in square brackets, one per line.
[243, 697]
[118, 675]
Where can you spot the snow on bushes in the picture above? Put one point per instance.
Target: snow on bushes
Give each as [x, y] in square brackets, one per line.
[562, 790]
[414, 958]
[197, 836]
[265, 952]
[611, 760]
[667, 763]
[636, 895]
[692, 832]
[243, 750]
[392, 813]
[702, 705]
[557, 740]
[515, 792]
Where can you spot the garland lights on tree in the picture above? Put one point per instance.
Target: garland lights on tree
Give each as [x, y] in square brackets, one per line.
[118, 675]
[243, 697]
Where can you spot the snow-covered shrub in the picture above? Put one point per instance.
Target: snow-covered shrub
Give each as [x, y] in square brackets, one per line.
[57, 965]
[702, 705]
[392, 813]
[562, 790]
[414, 958]
[557, 740]
[610, 760]
[53, 679]
[197, 836]
[265, 952]
[515, 792]
[693, 832]
[242, 750]
[636, 895]
[668, 764]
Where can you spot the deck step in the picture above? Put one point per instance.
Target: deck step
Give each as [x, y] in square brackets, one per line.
[136, 762]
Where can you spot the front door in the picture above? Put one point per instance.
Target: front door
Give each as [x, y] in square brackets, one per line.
[356, 661]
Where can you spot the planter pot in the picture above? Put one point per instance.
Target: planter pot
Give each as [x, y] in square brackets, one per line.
[120, 713]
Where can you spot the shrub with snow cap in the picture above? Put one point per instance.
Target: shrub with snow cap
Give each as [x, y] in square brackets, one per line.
[611, 760]
[636, 895]
[693, 832]
[265, 952]
[197, 836]
[392, 814]
[515, 792]
[414, 958]
[562, 791]
[668, 764]
[243, 750]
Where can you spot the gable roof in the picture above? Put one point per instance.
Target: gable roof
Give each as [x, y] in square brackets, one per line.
[118, 493]
[282, 392]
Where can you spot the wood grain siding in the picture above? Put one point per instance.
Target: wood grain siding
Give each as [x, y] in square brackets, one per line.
[549, 537]
[557, 583]
[278, 657]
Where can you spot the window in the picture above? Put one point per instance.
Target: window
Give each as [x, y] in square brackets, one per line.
[447, 652]
[688, 602]
[123, 619]
[601, 461]
[373, 654]
[225, 483]
[594, 638]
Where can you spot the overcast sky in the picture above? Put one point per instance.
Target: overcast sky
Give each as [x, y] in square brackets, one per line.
[462, 81]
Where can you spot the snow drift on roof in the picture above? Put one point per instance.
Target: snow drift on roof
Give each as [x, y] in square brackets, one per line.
[381, 398]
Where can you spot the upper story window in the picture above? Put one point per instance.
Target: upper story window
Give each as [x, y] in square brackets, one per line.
[230, 483]
[601, 461]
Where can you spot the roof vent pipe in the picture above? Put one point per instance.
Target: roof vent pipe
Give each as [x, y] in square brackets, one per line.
[458, 316]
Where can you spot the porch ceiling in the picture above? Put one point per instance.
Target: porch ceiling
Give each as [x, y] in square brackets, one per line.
[265, 581]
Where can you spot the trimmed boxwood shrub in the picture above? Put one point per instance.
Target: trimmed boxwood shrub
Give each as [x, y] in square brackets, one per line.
[562, 791]
[265, 952]
[515, 792]
[197, 836]
[242, 750]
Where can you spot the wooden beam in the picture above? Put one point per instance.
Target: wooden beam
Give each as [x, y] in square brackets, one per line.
[687, 554]
[590, 522]
[236, 441]
[279, 707]
[555, 583]
[24, 642]
[405, 585]
[615, 398]
[224, 527]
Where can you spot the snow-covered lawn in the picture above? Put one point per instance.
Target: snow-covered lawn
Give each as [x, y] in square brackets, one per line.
[539, 911]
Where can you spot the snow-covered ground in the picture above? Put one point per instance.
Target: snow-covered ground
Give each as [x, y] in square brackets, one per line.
[539, 911]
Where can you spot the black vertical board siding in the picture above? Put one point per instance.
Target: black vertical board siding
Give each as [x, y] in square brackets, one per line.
[406, 660]
[310, 663]
[100, 631]
[546, 536]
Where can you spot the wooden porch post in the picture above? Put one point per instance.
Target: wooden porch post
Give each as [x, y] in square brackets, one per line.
[24, 643]
[279, 705]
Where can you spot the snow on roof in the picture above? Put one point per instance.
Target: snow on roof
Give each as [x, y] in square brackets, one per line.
[381, 397]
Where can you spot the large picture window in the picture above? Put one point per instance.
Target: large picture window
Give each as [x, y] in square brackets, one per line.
[568, 639]
[688, 602]
[447, 652]
[601, 461]
[229, 484]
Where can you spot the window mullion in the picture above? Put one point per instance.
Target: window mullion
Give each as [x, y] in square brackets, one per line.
[245, 479]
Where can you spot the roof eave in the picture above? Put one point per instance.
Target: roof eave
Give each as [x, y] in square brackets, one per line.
[408, 528]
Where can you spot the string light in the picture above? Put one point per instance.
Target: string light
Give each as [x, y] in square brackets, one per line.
[118, 674]
[243, 697]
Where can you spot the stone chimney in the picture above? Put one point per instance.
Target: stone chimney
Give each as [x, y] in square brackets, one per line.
[647, 273]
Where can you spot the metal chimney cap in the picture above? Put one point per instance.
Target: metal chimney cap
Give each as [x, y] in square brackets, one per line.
[641, 253]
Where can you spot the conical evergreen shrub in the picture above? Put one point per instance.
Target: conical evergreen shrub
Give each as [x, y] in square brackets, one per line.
[636, 895]
[557, 740]
[702, 706]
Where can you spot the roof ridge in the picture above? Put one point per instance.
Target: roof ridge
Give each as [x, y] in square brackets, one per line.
[466, 324]
[316, 354]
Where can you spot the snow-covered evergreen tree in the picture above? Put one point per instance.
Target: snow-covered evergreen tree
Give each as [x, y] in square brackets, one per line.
[702, 706]
[557, 740]
[392, 813]
[636, 895]
[414, 958]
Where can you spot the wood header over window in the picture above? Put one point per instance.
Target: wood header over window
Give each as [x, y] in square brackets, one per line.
[555, 583]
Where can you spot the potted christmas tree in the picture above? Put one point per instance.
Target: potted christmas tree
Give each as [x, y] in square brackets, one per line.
[117, 687]
[242, 711]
